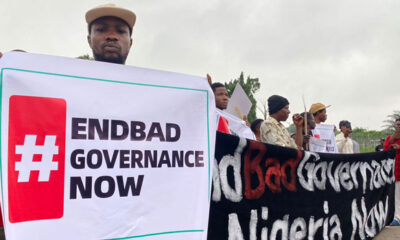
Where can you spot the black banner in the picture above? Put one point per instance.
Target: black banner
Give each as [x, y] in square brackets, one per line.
[267, 192]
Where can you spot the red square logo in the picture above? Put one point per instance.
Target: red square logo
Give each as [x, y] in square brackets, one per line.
[36, 158]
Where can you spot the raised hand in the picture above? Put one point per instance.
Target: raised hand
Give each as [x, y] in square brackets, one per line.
[209, 79]
[298, 120]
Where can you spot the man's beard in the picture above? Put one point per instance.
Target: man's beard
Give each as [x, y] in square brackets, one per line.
[119, 60]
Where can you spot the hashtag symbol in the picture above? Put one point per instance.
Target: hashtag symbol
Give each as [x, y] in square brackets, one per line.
[28, 150]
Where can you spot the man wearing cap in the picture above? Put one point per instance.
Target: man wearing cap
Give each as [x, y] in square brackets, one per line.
[110, 36]
[273, 131]
[343, 141]
[110, 32]
[319, 112]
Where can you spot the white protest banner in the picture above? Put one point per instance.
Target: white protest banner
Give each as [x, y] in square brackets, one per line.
[326, 133]
[93, 150]
[239, 100]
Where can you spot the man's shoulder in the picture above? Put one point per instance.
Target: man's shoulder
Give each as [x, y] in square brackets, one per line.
[269, 123]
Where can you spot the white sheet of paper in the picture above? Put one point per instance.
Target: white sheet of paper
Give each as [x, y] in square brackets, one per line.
[326, 133]
[239, 99]
[317, 145]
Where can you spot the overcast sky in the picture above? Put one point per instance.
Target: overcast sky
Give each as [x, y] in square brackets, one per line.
[341, 53]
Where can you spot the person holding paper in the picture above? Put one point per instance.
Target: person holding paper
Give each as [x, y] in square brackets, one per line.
[319, 112]
[273, 131]
[322, 131]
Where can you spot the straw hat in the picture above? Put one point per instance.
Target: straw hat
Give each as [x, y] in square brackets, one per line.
[111, 10]
[317, 107]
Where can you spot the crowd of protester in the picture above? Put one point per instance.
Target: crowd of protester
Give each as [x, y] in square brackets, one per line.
[272, 131]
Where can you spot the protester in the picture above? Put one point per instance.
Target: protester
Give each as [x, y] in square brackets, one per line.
[110, 30]
[221, 95]
[310, 122]
[310, 127]
[343, 140]
[255, 127]
[109, 35]
[221, 102]
[323, 131]
[393, 141]
[273, 131]
[319, 112]
[380, 146]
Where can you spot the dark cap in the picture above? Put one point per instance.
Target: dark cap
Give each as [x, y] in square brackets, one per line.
[276, 103]
[345, 123]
